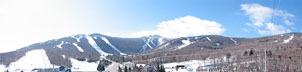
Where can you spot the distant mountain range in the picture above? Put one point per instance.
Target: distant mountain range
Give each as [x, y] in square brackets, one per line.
[85, 47]
[213, 46]
[89, 48]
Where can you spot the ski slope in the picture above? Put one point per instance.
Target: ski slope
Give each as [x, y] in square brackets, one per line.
[209, 39]
[78, 47]
[95, 46]
[185, 42]
[290, 38]
[235, 42]
[60, 45]
[32, 59]
[112, 46]
[78, 37]
[144, 47]
[160, 41]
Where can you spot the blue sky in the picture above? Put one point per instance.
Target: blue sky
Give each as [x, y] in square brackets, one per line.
[25, 22]
[121, 18]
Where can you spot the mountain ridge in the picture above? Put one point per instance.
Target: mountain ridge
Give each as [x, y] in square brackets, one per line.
[89, 47]
[209, 44]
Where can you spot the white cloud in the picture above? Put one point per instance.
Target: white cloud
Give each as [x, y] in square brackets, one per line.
[261, 16]
[287, 22]
[257, 13]
[273, 29]
[246, 30]
[184, 26]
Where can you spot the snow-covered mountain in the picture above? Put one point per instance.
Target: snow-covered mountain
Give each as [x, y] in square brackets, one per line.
[86, 48]
[198, 42]
[200, 47]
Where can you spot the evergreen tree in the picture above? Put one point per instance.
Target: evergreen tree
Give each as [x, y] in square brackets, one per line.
[251, 52]
[157, 67]
[61, 68]
[130, 69]
[119, 69]
[228, 55]
[125, 69]
[150, 69]
[135, 68]
[245, 53]
[140, 68]
[161, 69]
[101, 67]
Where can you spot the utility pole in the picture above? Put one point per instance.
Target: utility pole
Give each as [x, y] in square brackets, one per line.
[265, 60]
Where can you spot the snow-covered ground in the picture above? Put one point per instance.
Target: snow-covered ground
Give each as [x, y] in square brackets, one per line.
[151, 41]
[60, 45]
[112, 46]
[33, 59]
[191, 65]
[78, 47]
[185, 42]
[78, 37]
[235, 42]
[91, 66]
[276, 41]
[144, 47]
[140, 65]
[160, 41]
[197, 37]
[290, 38]
[2, 68]
[113, 67]
[148, 41]
[64, 56]
[95, 46]
[217, 44]
[209, 39]
[83, 65]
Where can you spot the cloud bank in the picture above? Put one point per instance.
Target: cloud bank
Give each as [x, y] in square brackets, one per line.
[184, 26]
[261, 16]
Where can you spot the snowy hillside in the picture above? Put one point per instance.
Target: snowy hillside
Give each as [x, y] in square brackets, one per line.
[32, 59]
[67, 50]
